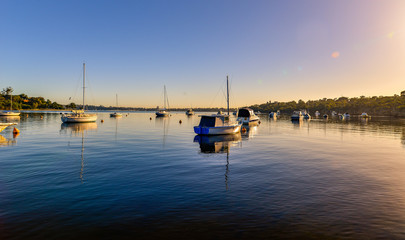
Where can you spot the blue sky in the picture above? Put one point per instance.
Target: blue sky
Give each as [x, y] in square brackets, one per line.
[271, 50]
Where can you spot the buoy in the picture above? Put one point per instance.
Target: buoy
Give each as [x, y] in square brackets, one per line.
[259, 122]
[243, 129]
[180, 121]
[42, 117]
[16, 131]
[102, 120]
[15, 135]
[150, 118]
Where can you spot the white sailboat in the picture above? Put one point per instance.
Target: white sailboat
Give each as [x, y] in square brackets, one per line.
[10, 113]
[164, 112]
[79, 116]
[116, 114]
[218, 124]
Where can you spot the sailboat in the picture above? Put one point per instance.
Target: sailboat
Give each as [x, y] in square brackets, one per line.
[10, 113]
[79, 116]
[164, 112]
[116, 114]
[218, 124]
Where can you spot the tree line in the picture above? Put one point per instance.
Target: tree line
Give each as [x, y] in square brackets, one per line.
[382, 105]
[22, 101]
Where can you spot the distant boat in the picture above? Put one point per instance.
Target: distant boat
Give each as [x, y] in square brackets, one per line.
[246, 116]
[79, 116]
[10, 113]
[347, 115]
[317, 114]
[190, 112]
[273, 115]
[365, 115]
[306, 115]
[163, 112]
[116, 114]
[334, 114]
[325, 116]
[218, 124]
[278, 113]
[5, 125]
[297, 115]
[341, 116]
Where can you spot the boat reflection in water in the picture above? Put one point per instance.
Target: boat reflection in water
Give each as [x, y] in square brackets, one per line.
[219, 144]
[249, 131]
[6, 142]
[75, 129]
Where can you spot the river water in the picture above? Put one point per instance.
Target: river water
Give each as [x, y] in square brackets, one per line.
[141, 178]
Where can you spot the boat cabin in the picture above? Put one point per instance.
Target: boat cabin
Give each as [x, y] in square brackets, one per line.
[245, 112]
[214, 120]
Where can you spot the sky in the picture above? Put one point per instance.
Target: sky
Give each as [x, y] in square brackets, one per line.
[272, 50]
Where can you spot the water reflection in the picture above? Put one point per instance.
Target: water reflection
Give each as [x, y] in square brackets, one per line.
[6, 142]
[75, 129]
[249, 131]
[218, 143]
[164, 123]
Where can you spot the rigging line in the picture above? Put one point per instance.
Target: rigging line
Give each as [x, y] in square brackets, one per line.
[209, 106]
[79, 80]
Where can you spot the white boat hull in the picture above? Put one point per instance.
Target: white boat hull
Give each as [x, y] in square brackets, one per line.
[231, 129]
[115, 115]
[162, 114]
[247, 120]
[79, 118]
[9, 114]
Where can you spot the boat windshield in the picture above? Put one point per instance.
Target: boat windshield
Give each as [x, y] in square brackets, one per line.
[244, 112]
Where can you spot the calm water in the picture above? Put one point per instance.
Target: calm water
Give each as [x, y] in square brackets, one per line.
[136, 178]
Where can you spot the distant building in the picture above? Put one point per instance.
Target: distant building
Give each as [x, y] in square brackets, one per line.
[403, 93]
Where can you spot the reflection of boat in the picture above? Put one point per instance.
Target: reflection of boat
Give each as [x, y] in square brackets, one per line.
[246, 116]
[249, 131]
[116, 114]
[217, 144]
[79, 116]
[79, 127]
[5, 125]
[4, 142]
[218, 124]
[190, 112]
[164, 112]
[296, 116]
[76, 128]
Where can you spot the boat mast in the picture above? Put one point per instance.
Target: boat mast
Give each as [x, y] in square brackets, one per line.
[164, 96]
[84, 86]
[116, 99]
[227, 93]
[11, 105]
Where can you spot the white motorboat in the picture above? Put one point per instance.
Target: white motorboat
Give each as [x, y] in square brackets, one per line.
[218, 124]
[273, 115]
[79, 116]
[116, 115]
[164, 112]
[246, 116]
[5, 125]
[365, 115]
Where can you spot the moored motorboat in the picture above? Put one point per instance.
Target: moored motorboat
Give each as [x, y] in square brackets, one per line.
[365, 115]
[189, 112]
[273, 115]
[297, 115]
[217, 124]
[246, 116]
